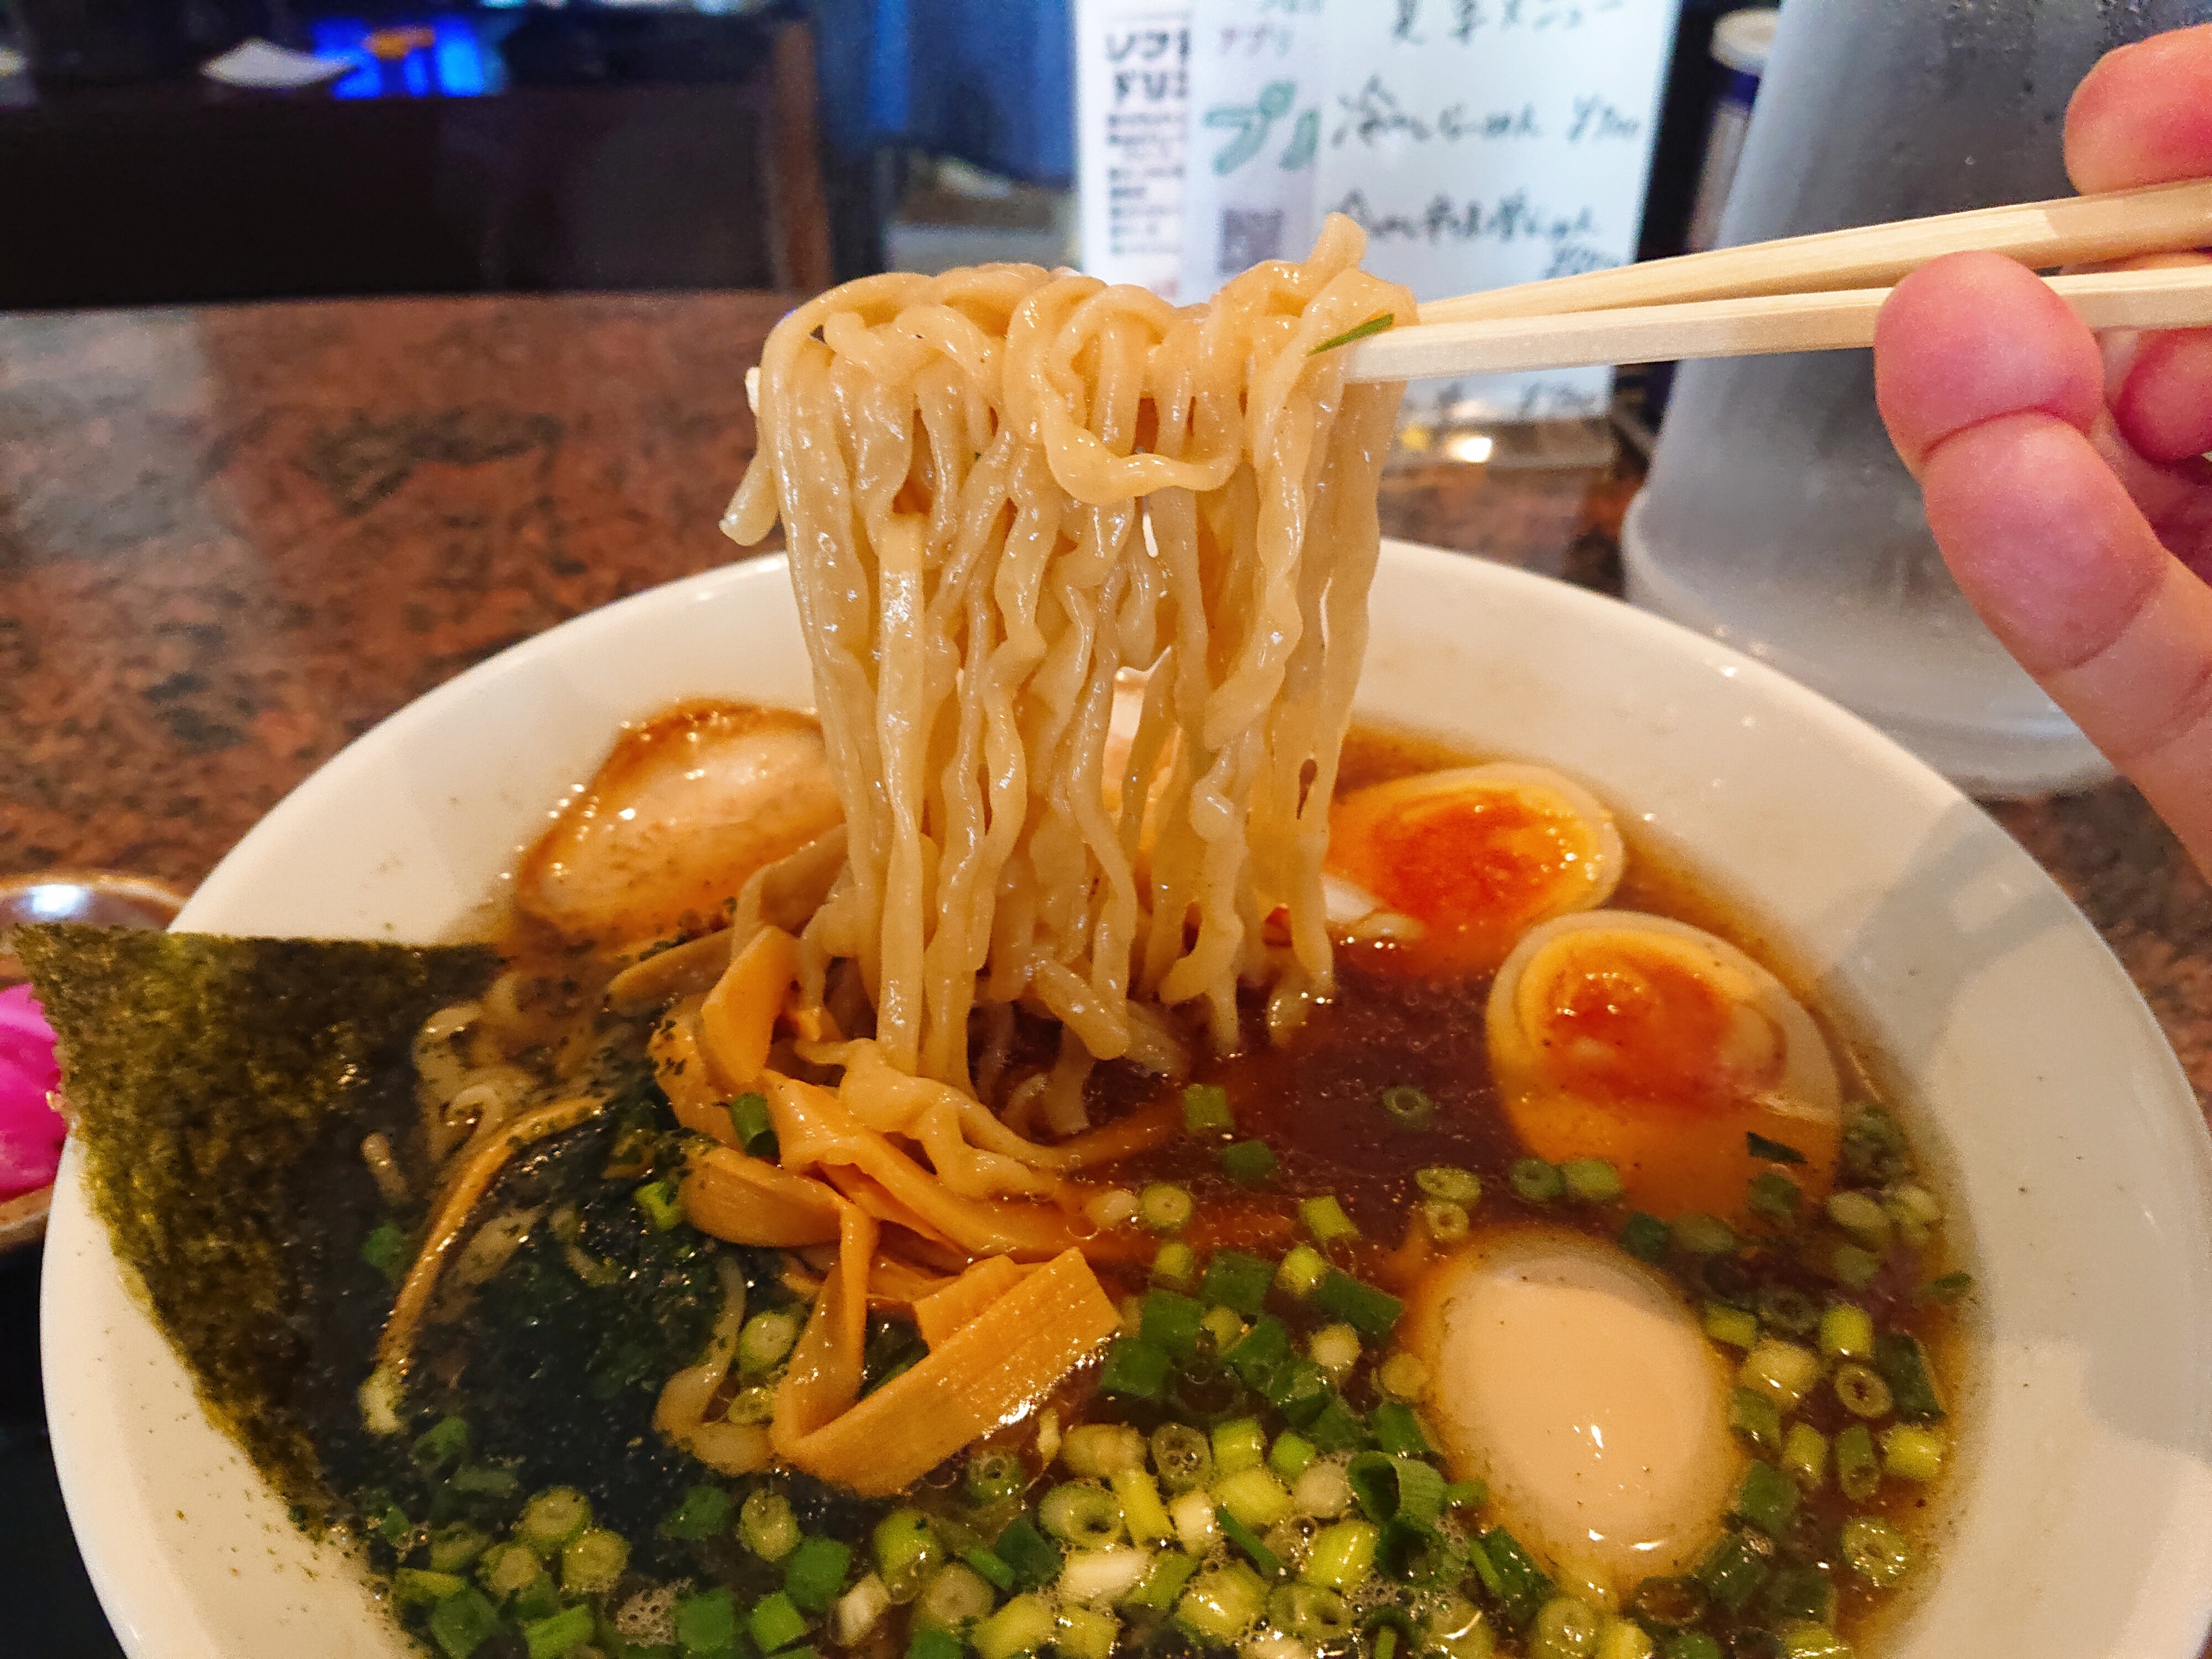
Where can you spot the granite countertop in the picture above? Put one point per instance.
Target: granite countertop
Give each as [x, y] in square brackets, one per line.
[232, 539]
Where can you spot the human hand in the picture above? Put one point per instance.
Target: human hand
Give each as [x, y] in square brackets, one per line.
[2067, 483]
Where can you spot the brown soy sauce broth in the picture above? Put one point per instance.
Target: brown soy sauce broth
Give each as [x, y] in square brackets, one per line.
[1316, 1100]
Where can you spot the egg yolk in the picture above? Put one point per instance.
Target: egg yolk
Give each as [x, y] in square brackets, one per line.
[1476, 868]
[1657, 1031]
[1654, 1066]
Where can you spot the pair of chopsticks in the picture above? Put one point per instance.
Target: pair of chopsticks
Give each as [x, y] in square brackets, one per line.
[1807, 293]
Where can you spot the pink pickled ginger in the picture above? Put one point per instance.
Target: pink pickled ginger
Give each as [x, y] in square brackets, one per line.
[30, 1130]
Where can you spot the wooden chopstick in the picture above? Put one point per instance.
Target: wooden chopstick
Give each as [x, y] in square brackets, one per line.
[2071, 230]
[1750, 327]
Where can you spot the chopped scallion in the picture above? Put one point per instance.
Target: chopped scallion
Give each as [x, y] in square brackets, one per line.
[1451, 1185]
[1734, 1568]
[1398, 1430]
[1913, 1453]
[1862, 1218]
[996, 1475]
[385, 1250]
[1773, 1196]
[1732, 1326]
[1858, 1471]
[1035, 1558]
[1644, 1236]
[1409, 1107]
[987, 1566]
[814, 1572]
[1374, 324]
[1206, 1109]
[1702, 1235]
[1342, 1557]
[766, 1340]
[592, 1561]
[551, 1638]
[462, 1622]
[1948, 1287]
[767, 1527]
[1245, 1540]
[1324, 1218]
[1877, 1551]
[1537, 1181]
[1301, 1271]
[1165, 1208]
[1081, 1517]
[1249, 1162]
[1590, 1180]
[1766, 1498]
[1025, 1625]
[704, 1513]
[1805, 1456]
[1292, 1455]
[552, 1518]
[1182, 1456]
[1447, 1222]
[1903, 1366]
[1135, 1369]
[755, 1129]
[774, 1622]
[1220, 1603]
[657, 1199]
[1862, 1392]
[1754, 1416]
[1370, 1311]
[1235, 1280]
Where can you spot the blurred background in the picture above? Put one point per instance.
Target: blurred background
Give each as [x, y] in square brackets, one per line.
[515, 146]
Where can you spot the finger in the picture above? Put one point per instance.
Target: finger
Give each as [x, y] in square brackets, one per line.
[2164, 406]
[2176, 498]
[2143, 115]
[2047, 546]
[1973, 335]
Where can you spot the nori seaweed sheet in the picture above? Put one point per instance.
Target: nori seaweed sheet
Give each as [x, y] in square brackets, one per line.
[219, 1085]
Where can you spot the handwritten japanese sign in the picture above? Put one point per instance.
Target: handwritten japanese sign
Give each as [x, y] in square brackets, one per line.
[1132, 94]
[1480, 143]
[1259, 78]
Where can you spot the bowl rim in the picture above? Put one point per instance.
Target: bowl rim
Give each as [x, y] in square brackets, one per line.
[102, 1516]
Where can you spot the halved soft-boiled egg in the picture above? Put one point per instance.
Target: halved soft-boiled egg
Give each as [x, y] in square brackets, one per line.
[1575, 1381]
[1653, 1044]
[1476, 855]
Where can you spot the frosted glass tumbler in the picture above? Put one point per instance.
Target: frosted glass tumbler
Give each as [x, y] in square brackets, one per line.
[1777, 516]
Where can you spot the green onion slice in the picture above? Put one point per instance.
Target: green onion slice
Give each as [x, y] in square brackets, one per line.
[1388, 1488]
[1408, 1107]
[1374, 324]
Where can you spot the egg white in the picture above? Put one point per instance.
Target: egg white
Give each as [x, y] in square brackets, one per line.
[1577, 1384]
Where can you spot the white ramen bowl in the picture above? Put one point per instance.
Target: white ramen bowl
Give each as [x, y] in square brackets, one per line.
[2079, 1517]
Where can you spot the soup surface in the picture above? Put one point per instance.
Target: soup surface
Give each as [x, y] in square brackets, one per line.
[1622, 1349]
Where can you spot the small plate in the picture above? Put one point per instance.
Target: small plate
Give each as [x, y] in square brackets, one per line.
[2079, 1516]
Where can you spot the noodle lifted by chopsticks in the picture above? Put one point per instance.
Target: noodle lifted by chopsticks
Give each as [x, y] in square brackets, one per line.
[1002, 488]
